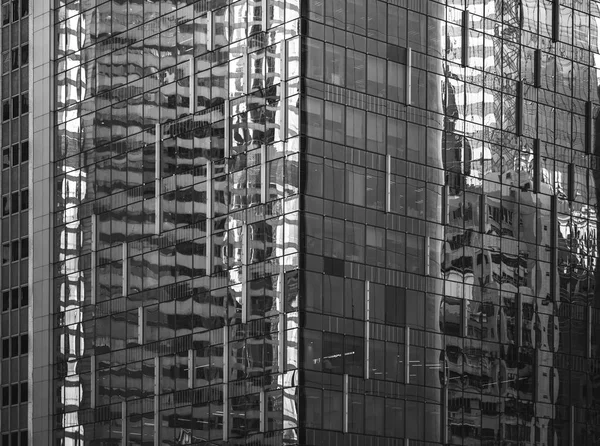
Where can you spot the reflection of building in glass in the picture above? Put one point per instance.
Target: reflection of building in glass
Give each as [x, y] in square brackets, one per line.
[324, 222]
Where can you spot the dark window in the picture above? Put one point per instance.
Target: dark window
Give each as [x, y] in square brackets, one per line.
[6, 253]
[5, 348]
[14, 298]
[14, 341]
[5, 301]
[5, 205]
[24, 151]
[14, 250]
[15, 154]
[24, 12]
[15, 8]
[24, 344]
[24, 296]
[5, 397]
[14, 59]
[5, 110]
[24, 54]
[15, 106]
[24, 438]
[24, 248]
[25, 103]
[14, 202]
[24, 392]
[24, 199]
[5, 158]
[14, 394]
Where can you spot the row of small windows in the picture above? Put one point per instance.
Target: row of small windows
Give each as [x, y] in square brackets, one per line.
[18, 153]
[19, 8]
[19, 201]
[20, 105]
[17, 57]
[15, 394]
[15, 250]
[15, 298]
[14, 346]
[12, 439]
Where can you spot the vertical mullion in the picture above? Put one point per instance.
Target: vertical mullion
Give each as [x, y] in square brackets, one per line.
[465, 38]
[244, 274]
[94, 258]
[157, 179]
[191, 368]
[157, 401]
[589, 127]
[388, 183]
[141, 324]
[282, 99]
[346, 403]
[407, 353]
[263, 174]
[226, 383]
[408, 76]
[125, 270]
[227, 139]
[193, 99]
[367, 370]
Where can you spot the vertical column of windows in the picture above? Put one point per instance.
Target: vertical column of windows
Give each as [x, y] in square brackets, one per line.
[244, 274]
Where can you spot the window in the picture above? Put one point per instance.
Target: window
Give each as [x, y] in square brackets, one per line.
[5, 14]
[5, 158]
[14, 341]
[24, 151]
[24, 392]
[24, 54]
[6, 253]
[24, 296]
[15, 106]
[5, 348]
[15, 154]
[14, 394]
[25, 103]
[15, 8]
[14, 251]
[5, 301]
[5, 395]
[14, 294]
[14, 59]
[24, 248]
[5, 110]
[14, 202]
[24, 199]
[24, 343]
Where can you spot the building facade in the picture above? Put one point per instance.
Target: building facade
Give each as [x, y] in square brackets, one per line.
[14, 222]
[341, 222]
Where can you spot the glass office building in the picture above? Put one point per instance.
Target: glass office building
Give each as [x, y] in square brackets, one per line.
[316, 222]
